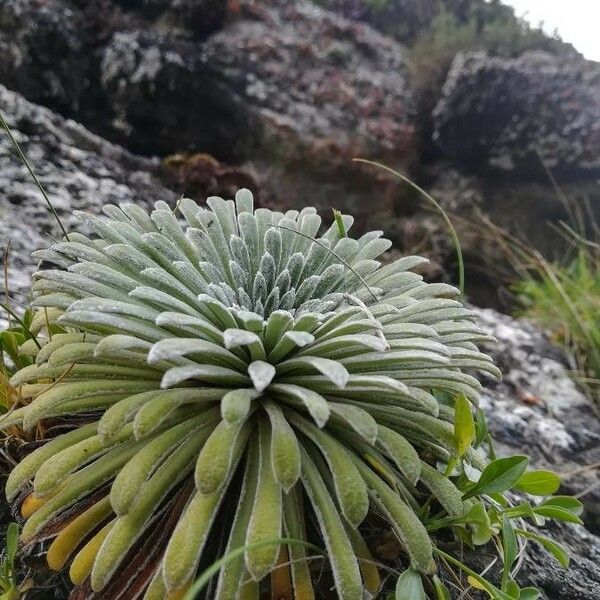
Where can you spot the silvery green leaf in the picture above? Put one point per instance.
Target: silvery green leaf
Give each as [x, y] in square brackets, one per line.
[259, 307]
[328, 279]
[267, 269]
[309, 226]
[206, 373]
[250, 320]
[401, 452]
[306, 289]
[218, 313]
[372, 249]
[130, 480]
[288, 342]
[239, 250]
[331, 369]
[272, 301]
[288, 300]
[249, 234]
[244, 201]
[447, 494]
[226, 214]
[277, 324]
[266, 518]
[273, 245]
[236, 404]
[287, 238]
[314, 403]
[261, 373]
[190, 274]
[57, 342]
[211, 272]
[137, 215]
[283, 281]
[240, 276]
[339, 549]
[231, 574]
[55, 470]
[201, 350]
[168, 226]
[79, 485]
[190, 323]
[347, 344]
[295, 265]
[219, 455]
[259, 287]
[407, 525]
[307, 321]
[128, 528]
[350, 487]
[359, 420]
[285, 451]
[85, 389]
[28, 467]
[161, 300]
[170, 283]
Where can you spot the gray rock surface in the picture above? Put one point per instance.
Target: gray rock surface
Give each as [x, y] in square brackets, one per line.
[295, 90]
[79, 170]
[42, 53]
[538, 410]
[504, 114]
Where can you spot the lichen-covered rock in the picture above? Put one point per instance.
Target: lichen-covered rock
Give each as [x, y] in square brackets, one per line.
[505, 114]
[581, 581]
[316, 80]
[297, 90]
[163, 99]
[41, 52]
[78, 170]
[538, 410]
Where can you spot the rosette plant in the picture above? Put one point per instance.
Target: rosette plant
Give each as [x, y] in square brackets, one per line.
[222, 377]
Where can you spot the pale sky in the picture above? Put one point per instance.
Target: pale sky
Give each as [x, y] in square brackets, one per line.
[577, 21]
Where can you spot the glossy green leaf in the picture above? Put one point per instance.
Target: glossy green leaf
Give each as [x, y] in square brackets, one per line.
[500, 475]
[538, 483]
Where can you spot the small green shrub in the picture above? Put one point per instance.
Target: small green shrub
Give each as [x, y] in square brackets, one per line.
[244, 379]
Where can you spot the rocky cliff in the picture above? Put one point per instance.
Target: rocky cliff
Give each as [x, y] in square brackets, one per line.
[283, 95]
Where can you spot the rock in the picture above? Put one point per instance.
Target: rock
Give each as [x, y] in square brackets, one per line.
[316, 81]
[288, 87]
[162, 98]
[296, 90]
[320, 90]
[503, 115]
[538, 410]
[41, 52]
[193, 18]
[581, 581]
[79, 170]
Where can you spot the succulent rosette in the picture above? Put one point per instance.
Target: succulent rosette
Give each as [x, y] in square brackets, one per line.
[224, 376]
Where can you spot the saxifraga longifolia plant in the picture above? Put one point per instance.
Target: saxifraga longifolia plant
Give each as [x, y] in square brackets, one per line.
[230, 382]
